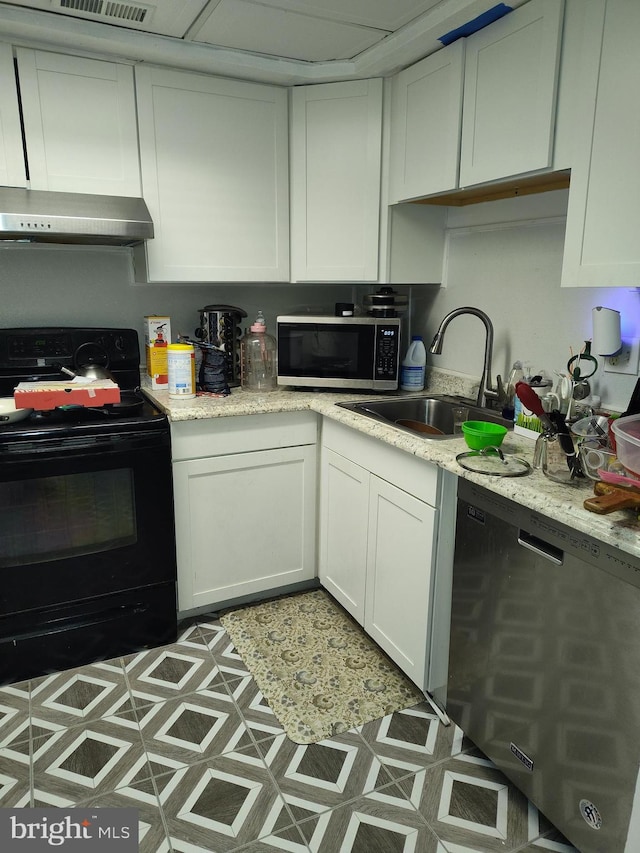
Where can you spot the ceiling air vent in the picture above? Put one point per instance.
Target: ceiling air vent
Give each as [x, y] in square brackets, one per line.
[107, 10]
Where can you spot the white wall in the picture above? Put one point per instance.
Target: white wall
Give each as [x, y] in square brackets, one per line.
[73, 286]
[506, 258]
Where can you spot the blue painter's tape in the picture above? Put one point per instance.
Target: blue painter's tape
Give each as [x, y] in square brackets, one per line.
[476, 24]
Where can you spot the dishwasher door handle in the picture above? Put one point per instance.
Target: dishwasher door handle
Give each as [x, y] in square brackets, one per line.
[540, 547]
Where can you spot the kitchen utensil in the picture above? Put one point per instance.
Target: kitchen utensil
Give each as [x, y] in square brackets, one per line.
[91, 361]
[90, 372]
[385, 302]
[564, 390]
[566, 442]
[460, 414]
[419, 426]
[618, 479]
[8, 412]
[579, 371]
[550, 402]
[491, 460]
[533, 403]
[219, 332]
[610, 499]
[581, 389]
[596, 426]
[550, 457]
[479, 434]
[596, 459]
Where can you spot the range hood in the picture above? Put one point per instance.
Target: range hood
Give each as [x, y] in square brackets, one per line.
[53, 217]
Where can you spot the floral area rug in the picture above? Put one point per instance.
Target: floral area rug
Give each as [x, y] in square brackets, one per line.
[317, 669]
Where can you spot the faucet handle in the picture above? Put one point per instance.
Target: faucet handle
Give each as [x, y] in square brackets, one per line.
[494, 395]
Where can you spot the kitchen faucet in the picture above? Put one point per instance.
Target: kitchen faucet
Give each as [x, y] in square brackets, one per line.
[485, 391]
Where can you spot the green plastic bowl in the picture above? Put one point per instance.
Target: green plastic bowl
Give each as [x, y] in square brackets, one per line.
[479, 434]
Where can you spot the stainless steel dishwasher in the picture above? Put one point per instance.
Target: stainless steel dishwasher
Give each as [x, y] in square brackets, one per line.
[544, 665]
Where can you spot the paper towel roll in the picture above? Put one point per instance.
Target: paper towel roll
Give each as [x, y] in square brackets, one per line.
[606, 330]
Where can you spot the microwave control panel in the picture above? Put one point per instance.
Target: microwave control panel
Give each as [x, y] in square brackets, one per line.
[387, 351]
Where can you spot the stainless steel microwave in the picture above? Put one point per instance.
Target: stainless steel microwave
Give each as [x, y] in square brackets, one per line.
[339, 352]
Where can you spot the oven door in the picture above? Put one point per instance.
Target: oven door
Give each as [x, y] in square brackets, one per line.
[84, 517]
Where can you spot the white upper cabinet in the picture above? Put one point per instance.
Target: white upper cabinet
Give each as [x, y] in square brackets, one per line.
[214, 156]
[510, 83]
[426, 114]
[335, 181]
[12, 166]
[480, 110]
[79, 124]
[602, 248]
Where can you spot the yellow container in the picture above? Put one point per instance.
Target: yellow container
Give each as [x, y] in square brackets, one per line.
[181, 363]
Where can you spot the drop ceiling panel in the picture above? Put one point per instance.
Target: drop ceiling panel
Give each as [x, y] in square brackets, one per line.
[383, 14]
[260, 28]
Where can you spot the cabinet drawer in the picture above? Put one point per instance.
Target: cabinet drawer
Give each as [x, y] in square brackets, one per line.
[412, 475]
[207, 437]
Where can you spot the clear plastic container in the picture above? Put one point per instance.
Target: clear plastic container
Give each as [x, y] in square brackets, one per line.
[627, 435]
[258, 358]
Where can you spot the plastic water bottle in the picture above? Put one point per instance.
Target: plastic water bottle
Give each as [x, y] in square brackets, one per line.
[413, 366]
[258, 356]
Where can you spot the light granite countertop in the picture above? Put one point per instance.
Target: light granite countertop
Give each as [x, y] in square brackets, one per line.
[563, 503]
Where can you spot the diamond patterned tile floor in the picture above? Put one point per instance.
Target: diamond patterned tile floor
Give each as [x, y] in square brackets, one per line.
[183, 734]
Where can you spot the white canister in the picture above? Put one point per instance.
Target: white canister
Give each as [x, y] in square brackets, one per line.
[181, 365]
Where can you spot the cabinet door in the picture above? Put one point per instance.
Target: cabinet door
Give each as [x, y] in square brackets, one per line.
[79, 123]
[344, 516]
[245, 523]
[335, 175]
[12, 170]
[511, 70]
[214, 157]
[426, 114]
[399, 576]
[603, 217]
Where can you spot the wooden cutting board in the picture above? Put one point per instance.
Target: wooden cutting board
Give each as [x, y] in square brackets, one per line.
[611, 498]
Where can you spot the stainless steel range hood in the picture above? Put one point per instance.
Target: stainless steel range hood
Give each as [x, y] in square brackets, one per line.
[53, 217]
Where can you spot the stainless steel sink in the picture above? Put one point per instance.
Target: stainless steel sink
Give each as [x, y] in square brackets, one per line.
[429, 411]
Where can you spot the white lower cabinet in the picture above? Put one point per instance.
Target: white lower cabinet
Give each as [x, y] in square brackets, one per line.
[378, 541]
[344, 515]
[400, 549]
[245, 506]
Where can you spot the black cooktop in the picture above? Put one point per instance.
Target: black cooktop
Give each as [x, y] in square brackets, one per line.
[37, 354]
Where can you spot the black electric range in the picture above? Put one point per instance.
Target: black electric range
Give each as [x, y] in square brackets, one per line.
[87, 543]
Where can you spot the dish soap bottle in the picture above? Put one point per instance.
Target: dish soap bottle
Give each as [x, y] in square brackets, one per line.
[258, 358]
[413, 366]
[516, 375]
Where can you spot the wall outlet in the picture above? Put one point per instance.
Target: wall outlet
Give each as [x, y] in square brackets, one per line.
[626, 361]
